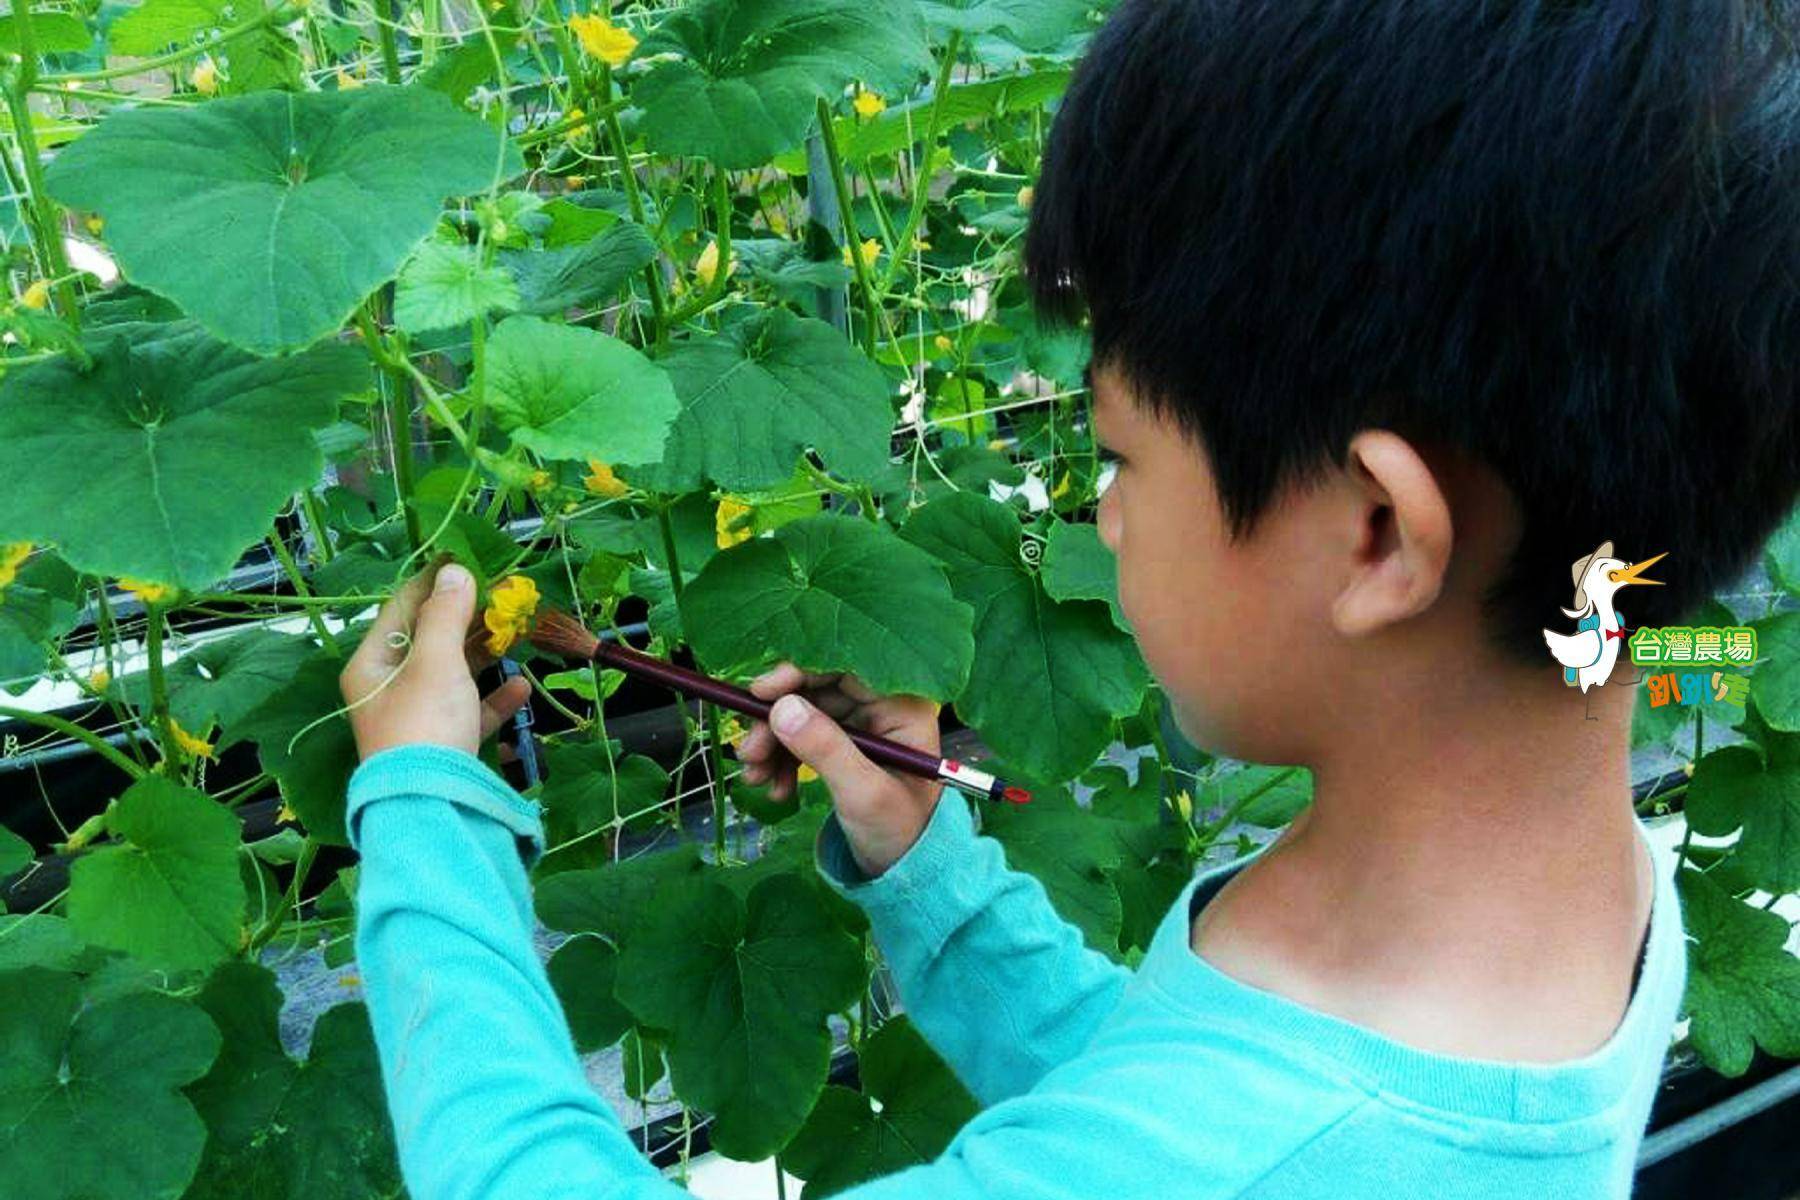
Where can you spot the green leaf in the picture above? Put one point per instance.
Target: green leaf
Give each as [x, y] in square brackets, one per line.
[221, 682]
[445, 286]
[280, 1128]
[42, 603]
[155, 25]
[847, 1139]
[614, 899]
[51, 32]
[1027, 24]
[1078, 566]
[39, 940]
[171, 895]
[758, 393]
[171, 456]
[751, 71]
[1775, 684]
[15, 852]
[1072, 853]
[1080, 669]
[640, 1062]
[1743, 987]
[1739, 785]
[583, 971]
[588, 788]
[743, 987]
[564, 391]
[314, 198]
[1266, 796]
[315, 771]
[834, 593]
[552, 281]
[90, 1103]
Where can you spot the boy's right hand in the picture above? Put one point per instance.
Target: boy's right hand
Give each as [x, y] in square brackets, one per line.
[882, 811]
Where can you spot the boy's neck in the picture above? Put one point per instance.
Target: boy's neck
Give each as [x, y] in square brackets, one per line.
[1469, 877]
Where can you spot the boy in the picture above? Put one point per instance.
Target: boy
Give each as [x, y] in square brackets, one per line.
[1398, 310]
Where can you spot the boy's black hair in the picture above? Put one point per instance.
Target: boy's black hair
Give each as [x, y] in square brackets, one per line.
[1561, 236]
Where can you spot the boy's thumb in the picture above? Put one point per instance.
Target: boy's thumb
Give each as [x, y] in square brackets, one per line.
[821, 743]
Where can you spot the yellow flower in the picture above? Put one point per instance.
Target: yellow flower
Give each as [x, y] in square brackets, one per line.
[540, 479]
[867, 104]
[37, 295]
[1184, 804]
[944, 344]
[997, 444]
[732, 730]
[602, 39]
[346, 81]
[510, 607]
[730, 509]
[778, 222]
[206, 76]
[707, 265]
[145, 590]
[94, 223]
[575, 182]
[286, 812]
[188, 742]
[869, 249]
[603, 480]
[1025, 195]
[12, 554]
[98, 680]
[805, 774]
[1062, 486]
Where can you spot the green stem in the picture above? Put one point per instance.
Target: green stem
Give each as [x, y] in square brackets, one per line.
[716, 759]
[652, 272]
[667, 527]
[922, 176]
[299, 581]
[722, 220]
[139, 66]
[94, 741]
[118, 710]
[172, 750]
[390, 50]
[316, 526]
[44, 214]
[309, 850]
[848, 217]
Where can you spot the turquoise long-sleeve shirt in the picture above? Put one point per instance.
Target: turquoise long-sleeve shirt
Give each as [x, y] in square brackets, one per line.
[1096, 1080]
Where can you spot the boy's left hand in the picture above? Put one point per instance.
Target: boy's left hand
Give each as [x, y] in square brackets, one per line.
[433, 698]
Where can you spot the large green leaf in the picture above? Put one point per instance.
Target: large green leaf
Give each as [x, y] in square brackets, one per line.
[277, 1128]
[751, 71]
[615, 899]
[42, 603]
[15, 852]
[314, 772]
[224, 681]
[584, 971]
[1079, 668]
[1743, 987]
[589, 787]
[155, 25]
[90, 1102]
[171, 455]
[837, 594]
[554, 280]
[1758, 790]
[743, 987]
[1072, 852]
[755, 395]
[1078, 566]
[1027, 24]
[171, 894]
[848, 1139]
[445, 285]
[313, 198]
[1775, 684]
[565, 391]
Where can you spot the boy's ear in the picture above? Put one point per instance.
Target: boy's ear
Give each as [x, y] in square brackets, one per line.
[1401, 543]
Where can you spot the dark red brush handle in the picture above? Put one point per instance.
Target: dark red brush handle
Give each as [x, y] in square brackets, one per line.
[882, 750]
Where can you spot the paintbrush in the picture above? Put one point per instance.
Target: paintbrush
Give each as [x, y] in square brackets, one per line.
[556, 632]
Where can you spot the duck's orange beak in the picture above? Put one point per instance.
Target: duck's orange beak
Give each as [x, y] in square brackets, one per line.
[1631, 574]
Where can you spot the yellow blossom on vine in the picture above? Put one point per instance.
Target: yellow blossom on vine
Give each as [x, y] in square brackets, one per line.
[602, 39]
[730, 509]
[1062, 486]
[286, 812]
[997, 444]
[146, 590]
[778, 222]
[98, 680]
[346, 81]
[603, 480]
[1025, 195]
[575, 182]
[868, 250]
[12, 555]
[508, 614]
[1184, 805]
[944, 344]
[732, 730]
[206, 76]
[540, 479]
[188, 742]
[867, 104]
[707, 265]
[805, 774]
[94, 222]
[37, 295]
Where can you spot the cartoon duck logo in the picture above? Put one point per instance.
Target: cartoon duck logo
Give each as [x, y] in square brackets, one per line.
[1589, 653]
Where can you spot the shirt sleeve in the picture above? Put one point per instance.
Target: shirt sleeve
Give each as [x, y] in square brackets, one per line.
[995, 980]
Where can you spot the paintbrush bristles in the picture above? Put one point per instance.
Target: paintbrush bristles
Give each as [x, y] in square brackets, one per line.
[557, 632]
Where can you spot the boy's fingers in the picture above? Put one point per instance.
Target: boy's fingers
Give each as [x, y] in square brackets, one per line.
[444, 615]
[498, 707]
[397, 614]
